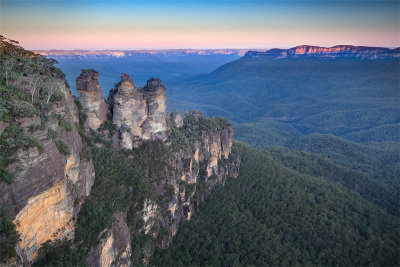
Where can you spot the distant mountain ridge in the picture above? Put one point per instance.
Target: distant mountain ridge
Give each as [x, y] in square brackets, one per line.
[329, 52]
[143, 52]
[301, 50]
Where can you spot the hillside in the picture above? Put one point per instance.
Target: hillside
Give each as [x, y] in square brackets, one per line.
[271, 215]
[349, 96]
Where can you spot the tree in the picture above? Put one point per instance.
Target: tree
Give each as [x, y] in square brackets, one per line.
[34, 82]
[52, 88]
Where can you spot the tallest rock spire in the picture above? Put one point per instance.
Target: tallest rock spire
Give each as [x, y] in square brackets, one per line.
[91, 98]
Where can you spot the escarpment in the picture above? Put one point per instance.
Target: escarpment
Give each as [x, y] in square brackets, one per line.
[152, 169]
[181, 157]
[91, 98]
[42, 155]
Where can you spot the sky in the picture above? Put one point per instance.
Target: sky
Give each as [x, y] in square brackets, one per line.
[169, 24]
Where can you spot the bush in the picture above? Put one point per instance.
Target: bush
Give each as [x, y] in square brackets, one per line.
[62, 147]
[64, 123]
[24, 109]
[5, 175]
[5, 114]
[51, 134]
[57, 96]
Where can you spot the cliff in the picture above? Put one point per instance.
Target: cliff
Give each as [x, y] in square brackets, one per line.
[45, 176]
[152, 169]
[327, 52]
[179, 172]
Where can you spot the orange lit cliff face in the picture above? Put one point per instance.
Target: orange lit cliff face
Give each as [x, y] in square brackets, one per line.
[306, 49]
[328, 52]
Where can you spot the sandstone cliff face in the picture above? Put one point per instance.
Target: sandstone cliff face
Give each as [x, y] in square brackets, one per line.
[48, 186]
[139, 114]
[191, 171]
[115, 247]
[91, 98]
[197, 168]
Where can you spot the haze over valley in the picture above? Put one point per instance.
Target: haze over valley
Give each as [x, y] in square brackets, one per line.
[199, 133]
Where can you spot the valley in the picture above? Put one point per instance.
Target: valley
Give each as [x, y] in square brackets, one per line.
[103, 173]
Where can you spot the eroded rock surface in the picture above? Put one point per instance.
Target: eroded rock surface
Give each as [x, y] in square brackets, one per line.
[139, 114]
[91, 98]
[48, 186]
[115, 246]
[177, 118]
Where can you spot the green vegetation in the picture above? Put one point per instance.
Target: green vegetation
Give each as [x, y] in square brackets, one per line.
[60, 253]
[62, 147]
[380, 193]
[379, 160]
[332, 96]
[29, 86]
[271, 215]
[8, 236]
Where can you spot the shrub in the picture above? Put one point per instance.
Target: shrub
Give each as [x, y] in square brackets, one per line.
[24, 109]
[5, 175]
[5, 114]
[57, 96]
[51, 134]
[64, 123]
[62, 147]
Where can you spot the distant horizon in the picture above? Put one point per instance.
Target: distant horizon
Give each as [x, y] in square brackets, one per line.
[198, 24]
[225, 48]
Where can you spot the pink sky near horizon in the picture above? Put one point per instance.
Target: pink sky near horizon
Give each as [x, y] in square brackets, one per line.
[78, 25]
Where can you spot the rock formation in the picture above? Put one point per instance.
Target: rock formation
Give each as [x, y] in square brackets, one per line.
[48, 187]
[190, 172]
[177, 117]
[49, 172]
[92, 100]
[139, 114]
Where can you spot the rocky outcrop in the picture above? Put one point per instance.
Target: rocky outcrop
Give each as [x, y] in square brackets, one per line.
[48, 187]
[197, 168]
[139, 114]
[115, 246]
[91, 98]
[177, 118]
[188, 165]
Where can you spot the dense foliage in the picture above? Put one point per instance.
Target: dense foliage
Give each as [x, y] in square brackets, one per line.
[8, 236]
[271, 215]
[60, 253]
[376, 191]
[379, 160]
[353, 98]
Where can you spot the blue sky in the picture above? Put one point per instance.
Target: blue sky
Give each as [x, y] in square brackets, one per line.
[141, 24]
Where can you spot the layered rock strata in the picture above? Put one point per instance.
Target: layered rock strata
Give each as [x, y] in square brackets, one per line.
[48, 187]
[191, 171]
[139, 114]
[91, 98]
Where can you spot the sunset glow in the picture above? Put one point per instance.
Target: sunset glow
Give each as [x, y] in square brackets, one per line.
[198, 24]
